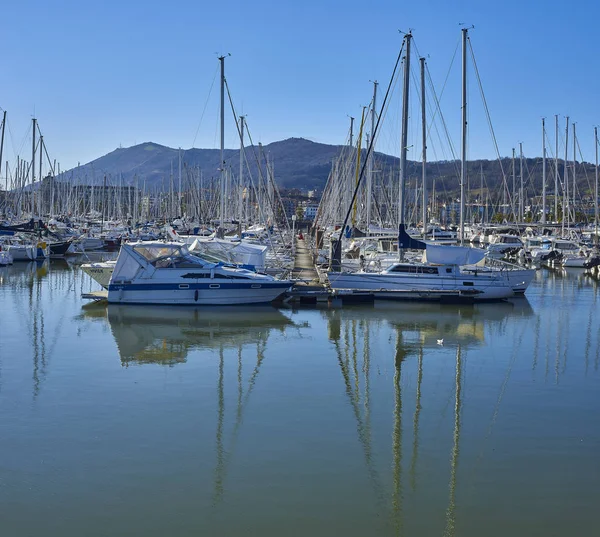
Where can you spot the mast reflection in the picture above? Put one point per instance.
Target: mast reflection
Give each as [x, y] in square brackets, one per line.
[416, 332]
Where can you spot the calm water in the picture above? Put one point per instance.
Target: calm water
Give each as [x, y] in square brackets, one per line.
[342, 421]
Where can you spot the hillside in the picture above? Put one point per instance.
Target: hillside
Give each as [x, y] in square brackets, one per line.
[303, 164]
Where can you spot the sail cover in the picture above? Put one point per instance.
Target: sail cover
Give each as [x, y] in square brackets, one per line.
[443, 254]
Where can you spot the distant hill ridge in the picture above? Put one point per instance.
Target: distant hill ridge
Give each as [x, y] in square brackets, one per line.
[298, 163]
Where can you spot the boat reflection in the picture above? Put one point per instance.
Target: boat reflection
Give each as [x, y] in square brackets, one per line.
[425, 325]
[165, 335]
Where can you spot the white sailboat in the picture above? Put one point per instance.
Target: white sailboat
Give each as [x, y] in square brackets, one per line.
[442, 274]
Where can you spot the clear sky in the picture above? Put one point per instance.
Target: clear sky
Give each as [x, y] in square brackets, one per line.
[98, 75]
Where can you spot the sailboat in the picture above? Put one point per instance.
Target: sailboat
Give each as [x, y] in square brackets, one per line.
[442, 273]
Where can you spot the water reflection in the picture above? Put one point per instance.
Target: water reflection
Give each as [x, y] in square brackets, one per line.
[359, 423]
[414, 331]
[425, 325]
[165, 335]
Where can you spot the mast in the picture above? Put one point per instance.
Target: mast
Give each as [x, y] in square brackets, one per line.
[347, 177]
[463, 160]
[241, 217]
[596, 188]
[179, 211]
[222, 167]
[424, 142]
[521, 191]
[514, 188]
[404, 142]
[481, 193]
[371, 158]
[1, 151]
[543, 171]
[33, 168]
[574, 169]
[556, 169]
[103, 203]
[40, 189]
[565, 207]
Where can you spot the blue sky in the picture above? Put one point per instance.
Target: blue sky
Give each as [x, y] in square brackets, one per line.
[99, 75]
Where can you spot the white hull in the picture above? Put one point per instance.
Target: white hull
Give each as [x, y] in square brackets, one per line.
[100, 272]
[22, 253]
[519, 279]
[196, 294]
[422, 286]
[90, 244]
[575, 262]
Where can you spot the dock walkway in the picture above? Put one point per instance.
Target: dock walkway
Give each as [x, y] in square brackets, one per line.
[308, 288]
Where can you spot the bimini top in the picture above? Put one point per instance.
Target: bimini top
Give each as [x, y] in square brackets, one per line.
[167, 254]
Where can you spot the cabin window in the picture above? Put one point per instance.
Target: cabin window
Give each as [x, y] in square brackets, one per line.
[448, 271]
[414, 269]
[184, 286]
[468, 284]
[214, 285]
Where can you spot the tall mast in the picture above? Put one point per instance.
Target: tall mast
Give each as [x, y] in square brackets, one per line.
[241, 217]
[40, 191]
[463, 160]
[481, 193]
[543, 171]
[574, 168]
[565, 207]
[349, 188]
[556, 169]
[514, 187]
[521, 191]
[179, 211]
[404, 138]
[1, 151]
[222, 167]
[33, 168]
[371, 158]
[424, 143]
[596, 188]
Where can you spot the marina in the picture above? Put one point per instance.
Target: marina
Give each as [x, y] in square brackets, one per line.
[386, 418]
[307, 305]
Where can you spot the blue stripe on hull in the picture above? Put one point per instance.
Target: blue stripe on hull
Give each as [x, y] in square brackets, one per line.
[195, 295]
[194, 286]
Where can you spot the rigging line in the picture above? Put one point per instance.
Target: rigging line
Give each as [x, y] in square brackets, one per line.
[369, 150]
[489, 120]
[582, 165]
[271, 203]
[445, 126]
[205, 105]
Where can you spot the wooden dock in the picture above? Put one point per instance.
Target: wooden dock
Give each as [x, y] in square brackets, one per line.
[308, 289]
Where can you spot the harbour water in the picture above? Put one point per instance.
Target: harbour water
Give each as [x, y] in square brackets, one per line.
[385, 419]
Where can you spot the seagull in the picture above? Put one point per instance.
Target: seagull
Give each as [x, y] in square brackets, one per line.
[440, 341]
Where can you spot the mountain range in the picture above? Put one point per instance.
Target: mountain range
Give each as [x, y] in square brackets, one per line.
[302, 164]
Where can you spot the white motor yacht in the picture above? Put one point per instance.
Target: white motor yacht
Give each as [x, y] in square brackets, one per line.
[167, 273]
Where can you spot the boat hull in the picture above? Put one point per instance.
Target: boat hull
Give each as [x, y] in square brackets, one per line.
[204, 294]
[479, 287]
[100, 272]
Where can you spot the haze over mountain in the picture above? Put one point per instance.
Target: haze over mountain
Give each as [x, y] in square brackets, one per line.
[303, 164]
